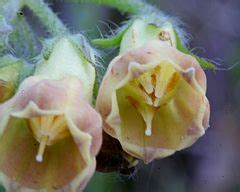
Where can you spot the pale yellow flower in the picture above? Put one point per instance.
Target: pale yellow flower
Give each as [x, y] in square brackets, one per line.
[49, 132]
[152, 99]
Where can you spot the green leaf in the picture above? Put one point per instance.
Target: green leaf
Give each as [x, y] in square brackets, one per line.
[2, 189]
[204, 64]
[108, 182]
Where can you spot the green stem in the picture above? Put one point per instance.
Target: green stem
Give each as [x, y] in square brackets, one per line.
[46, 16]
[129, 6]
[10, 8]
[22, 39]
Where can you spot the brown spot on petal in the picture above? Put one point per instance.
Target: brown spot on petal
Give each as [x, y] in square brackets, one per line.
[133, 101]
[173, 82]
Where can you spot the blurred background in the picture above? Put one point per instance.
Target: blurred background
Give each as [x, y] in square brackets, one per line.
[212, 164]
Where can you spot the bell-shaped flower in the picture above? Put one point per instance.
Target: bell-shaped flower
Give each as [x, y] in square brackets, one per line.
[152, 99]
[49, 132]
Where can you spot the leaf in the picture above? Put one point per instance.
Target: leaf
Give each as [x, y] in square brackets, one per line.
[2, 189]
[204, 64]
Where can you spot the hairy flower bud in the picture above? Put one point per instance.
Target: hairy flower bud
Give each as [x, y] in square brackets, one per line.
[141, 32]
[10, 69]
[49, 133]
[152, 99]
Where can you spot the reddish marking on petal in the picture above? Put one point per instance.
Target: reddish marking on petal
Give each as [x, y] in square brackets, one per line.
[173, 82]
[133, 101]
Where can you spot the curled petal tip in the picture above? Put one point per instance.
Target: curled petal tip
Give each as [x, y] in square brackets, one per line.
[189, 73]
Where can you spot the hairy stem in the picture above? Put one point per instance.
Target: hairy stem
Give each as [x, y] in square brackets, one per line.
[46, 16]
[22, 39]
[9, 8]
[129, 6]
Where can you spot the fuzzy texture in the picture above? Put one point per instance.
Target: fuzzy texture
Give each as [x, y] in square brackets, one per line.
[181, 117]
[46, 16]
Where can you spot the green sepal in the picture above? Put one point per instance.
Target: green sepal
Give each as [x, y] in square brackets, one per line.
[10, 68]
[111, 41]
[203, 63]
[15, 65]
[12, 72]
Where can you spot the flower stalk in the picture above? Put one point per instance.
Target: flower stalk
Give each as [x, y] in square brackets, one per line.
[129, 6]
[46, 16]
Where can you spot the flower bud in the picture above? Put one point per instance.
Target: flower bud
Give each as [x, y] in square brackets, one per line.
[10, 69]
[49, 133]
[66, 57]
[152, 99]
[140, 32]
[145, 28]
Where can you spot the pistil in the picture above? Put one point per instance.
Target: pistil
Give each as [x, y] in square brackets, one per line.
[48, 130]
[41, 149]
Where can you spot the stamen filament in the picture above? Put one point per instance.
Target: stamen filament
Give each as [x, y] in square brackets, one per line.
[146, 82]
[163, 77]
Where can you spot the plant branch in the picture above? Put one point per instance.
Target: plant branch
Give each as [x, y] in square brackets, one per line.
[22, 39]
[47, 17]
[129, 6]
[10, 8]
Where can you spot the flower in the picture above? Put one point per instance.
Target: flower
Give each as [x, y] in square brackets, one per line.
[152, 99]
[49, 132]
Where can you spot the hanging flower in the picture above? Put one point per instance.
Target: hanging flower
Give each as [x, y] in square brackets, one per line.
[152, 99]
[49, 133]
